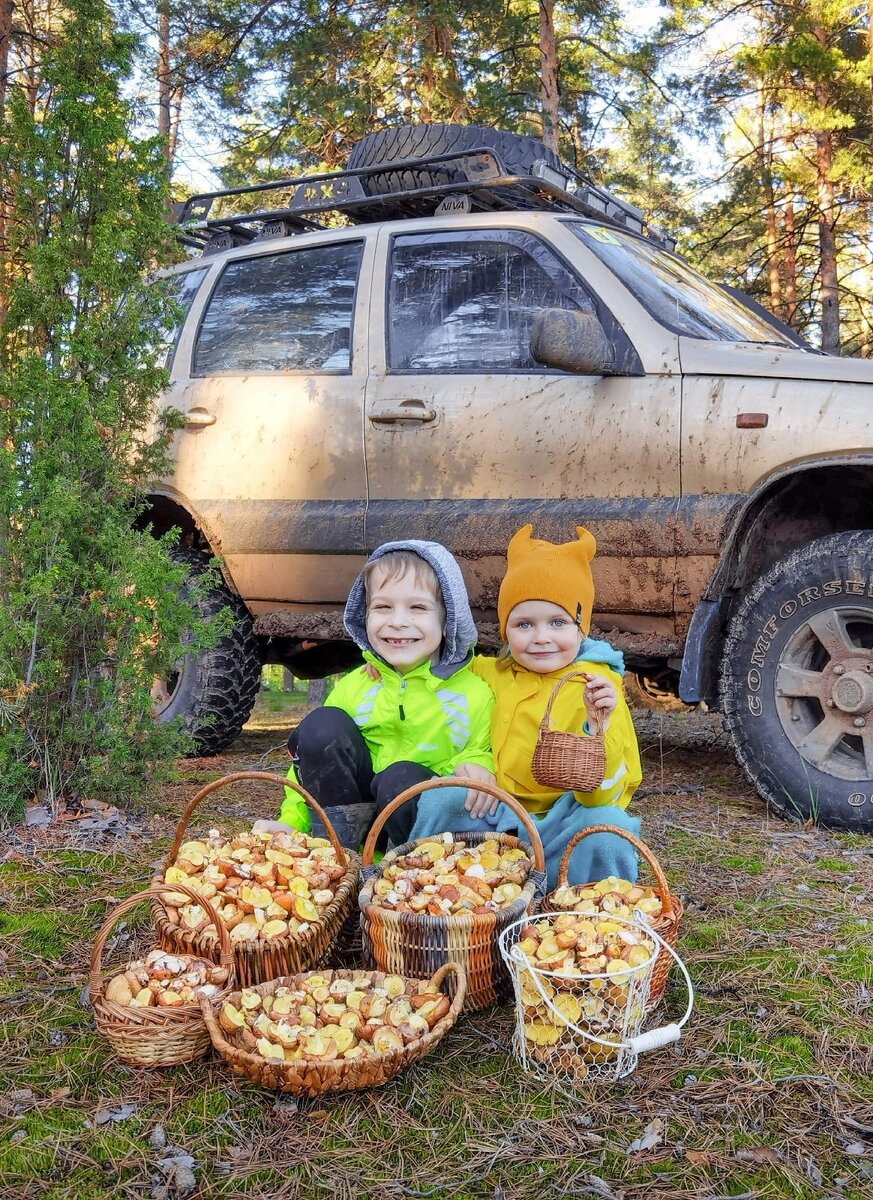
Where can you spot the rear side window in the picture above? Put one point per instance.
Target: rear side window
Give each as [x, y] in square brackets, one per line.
[467, 301]
[183, 288]
[281, 312]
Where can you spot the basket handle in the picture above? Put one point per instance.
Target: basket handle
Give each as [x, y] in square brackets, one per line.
[662, 886]
[95, 978]
[270, 777]
[547, 715]
[453, 968]
[455, 781]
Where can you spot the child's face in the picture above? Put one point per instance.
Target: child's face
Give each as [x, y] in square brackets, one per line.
[405, 619]
[542, 636]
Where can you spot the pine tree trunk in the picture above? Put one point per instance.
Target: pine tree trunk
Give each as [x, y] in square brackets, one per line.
[5, 46]
[5, 40]
[829, 291]
[789, 239]
[549, 94]
[765, 165]
[163, 74]
[441, 93]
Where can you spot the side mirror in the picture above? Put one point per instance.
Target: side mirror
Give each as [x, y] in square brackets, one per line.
[570, 340]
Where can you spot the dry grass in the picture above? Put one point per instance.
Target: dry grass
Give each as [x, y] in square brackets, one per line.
[769, 1094]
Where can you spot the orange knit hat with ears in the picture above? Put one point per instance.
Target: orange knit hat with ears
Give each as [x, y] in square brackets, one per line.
[561, 574]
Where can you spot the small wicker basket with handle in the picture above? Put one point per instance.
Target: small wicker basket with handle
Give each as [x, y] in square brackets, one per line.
[569, 761]
[313, 1077]
[417, 944]
[156, 1036]
[666, 924]
[261, 959]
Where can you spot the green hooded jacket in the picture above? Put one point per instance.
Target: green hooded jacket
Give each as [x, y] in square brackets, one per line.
[439, 714]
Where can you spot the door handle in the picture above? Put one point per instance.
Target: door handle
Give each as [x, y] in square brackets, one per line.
[406, 410]
[199, 417]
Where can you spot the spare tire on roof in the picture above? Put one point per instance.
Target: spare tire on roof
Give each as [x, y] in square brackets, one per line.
[517, 153]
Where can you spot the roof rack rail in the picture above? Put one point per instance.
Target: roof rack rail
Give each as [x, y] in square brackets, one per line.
[295, 204]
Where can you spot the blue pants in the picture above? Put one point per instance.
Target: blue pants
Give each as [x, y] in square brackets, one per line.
[594, 858]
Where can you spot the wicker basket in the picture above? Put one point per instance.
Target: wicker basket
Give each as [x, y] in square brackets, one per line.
[417, 944]
[569, 761]
[666, 923]
[155, 1037]
[313, 1078]
[288, 954]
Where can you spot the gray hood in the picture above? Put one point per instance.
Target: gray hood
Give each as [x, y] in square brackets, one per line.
[459, 637]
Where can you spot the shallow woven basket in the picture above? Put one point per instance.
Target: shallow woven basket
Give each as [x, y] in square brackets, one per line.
[417, 944]
[666, 923]
[568, 761]
[257, 961]
[336, 1074]
[155, 1037]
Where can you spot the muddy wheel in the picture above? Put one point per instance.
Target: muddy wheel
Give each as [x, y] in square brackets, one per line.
[212, 690]
[797, 683]
[517, 153]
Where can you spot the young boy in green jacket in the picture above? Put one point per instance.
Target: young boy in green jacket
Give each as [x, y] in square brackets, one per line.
[426, 715]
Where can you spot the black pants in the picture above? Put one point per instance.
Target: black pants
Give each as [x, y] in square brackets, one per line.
[333, 763]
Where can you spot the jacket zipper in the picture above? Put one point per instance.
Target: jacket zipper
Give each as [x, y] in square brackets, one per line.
[400, 700]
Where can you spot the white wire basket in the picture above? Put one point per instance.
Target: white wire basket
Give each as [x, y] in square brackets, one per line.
[581, 986]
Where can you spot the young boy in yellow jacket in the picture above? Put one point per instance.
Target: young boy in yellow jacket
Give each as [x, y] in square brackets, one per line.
[544, 607]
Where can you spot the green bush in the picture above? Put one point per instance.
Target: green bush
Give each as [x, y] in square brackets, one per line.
[89, 608]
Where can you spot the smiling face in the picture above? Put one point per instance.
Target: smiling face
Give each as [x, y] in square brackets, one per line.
[405, 616]
[542, 636]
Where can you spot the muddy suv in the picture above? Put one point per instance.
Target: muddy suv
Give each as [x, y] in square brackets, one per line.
[457, 335]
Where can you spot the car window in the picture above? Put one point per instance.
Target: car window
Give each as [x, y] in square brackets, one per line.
[281, 312]
[467, 301]
[182, 288]
[673, 292]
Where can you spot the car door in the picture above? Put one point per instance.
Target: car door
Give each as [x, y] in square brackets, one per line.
[468, 437]
[271, 381]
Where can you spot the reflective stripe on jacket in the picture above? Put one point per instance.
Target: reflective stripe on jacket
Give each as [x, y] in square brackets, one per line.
[417, 717]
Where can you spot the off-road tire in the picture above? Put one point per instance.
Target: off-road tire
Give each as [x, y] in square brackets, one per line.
[213, 690]
[798, 708]
[517, 153]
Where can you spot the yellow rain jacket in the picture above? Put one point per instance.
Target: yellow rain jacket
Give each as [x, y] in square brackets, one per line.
[520, 702]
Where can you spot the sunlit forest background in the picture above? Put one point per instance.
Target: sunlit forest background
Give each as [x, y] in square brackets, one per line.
[743, 127]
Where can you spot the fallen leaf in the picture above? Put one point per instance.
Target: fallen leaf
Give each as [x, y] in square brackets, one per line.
[856, 1149]
[37, 815]
[60, 1093]
[763, 1154]
[652, 1136]
[699, 1158]
[104, 1115]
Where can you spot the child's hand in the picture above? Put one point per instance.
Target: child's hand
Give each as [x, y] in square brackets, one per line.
[271, 827]
[478, 804]
[601, 697]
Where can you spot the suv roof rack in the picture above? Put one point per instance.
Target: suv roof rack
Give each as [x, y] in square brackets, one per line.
[469, 181]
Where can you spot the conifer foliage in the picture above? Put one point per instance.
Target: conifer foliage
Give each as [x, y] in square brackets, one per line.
[89, 609]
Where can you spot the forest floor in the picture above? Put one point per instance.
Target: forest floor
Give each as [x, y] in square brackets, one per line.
[768, 1094]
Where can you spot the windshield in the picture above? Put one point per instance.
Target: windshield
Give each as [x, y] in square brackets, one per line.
[673, 292]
